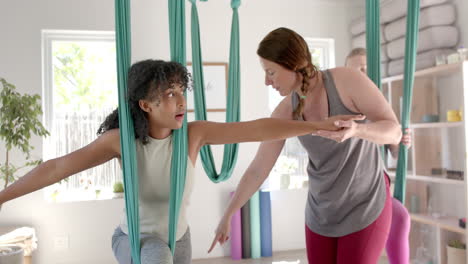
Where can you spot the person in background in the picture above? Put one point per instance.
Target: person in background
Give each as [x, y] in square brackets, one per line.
[397, 246]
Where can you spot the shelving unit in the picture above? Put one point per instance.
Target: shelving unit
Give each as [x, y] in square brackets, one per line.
[430, 179]
[435, 201]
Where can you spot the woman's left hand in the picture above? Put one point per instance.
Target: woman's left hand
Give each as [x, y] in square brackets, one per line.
[347, 129]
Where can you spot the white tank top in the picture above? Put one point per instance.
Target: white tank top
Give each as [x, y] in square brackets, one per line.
[154, 171]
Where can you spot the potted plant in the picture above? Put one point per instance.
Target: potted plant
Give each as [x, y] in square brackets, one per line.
[285, 166]
[456, 252]
[19, 120]
[118, 190]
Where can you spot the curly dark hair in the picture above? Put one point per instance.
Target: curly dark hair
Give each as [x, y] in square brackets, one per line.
[148, 80]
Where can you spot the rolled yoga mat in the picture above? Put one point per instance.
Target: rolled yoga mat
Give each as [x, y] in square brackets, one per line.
[265, 224]
[236, 235]
[255, 225]
[245, 219]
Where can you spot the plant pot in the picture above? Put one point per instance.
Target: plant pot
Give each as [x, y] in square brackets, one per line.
[118, 195]
[456, 255]
[11, 254]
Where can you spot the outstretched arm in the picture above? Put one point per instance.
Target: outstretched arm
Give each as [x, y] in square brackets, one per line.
[254, 176]
[265, 129]
[251, 181]
[103, 149]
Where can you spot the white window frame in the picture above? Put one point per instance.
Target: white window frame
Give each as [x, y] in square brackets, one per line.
[328, 45]
[49, 36]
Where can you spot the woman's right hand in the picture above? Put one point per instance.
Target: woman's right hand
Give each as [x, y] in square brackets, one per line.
[222, 232]
[406, 138]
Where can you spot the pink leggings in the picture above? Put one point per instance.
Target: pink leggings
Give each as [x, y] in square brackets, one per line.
[398, 239]
[362, 247]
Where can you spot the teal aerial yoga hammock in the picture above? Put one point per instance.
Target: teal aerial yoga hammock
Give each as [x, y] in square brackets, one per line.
[180, 142]
[180, 145]
[373, 47]
[233, 99]
[179, 158]
[373, 41]
[373, 62]
[412, 28]
[127, 132]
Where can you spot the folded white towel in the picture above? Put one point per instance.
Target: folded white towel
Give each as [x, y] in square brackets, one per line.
[423, 60]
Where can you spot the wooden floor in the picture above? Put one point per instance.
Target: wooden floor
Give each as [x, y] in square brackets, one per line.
[285, 257]
[289, 257]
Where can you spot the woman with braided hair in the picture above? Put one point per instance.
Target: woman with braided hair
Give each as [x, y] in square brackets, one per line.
[349, 207]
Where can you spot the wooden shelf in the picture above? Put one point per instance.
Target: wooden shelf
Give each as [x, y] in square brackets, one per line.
[436, 125]
[448, 223]
[440, 70]
[433, 179]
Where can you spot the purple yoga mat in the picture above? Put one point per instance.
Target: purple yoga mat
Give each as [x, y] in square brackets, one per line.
[236, 235]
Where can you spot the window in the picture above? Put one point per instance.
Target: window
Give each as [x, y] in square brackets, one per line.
[79, 91]
[290, 170]
[322, 51]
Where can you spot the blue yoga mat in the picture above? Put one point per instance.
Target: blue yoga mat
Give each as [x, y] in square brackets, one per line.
[265, 224]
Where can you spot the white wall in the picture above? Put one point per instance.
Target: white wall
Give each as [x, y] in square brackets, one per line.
[89, 225]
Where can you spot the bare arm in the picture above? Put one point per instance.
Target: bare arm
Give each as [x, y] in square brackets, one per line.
[254, 176]
[368, 100]
[279, 126]
[103, 149]
[384, 128]
[212, 133]
[405, 140]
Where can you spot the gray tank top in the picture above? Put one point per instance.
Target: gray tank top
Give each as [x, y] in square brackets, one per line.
[346, 183]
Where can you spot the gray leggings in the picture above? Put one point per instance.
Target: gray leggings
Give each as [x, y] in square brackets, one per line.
[153, 249]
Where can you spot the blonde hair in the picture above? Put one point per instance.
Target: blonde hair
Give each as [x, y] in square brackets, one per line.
[356, 52]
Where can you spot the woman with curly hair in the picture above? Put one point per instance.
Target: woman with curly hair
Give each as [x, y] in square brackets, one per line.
[157, 103]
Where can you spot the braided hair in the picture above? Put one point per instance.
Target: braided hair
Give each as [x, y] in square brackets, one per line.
[288, 49]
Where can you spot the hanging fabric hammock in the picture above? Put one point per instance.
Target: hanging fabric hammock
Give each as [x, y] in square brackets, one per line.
[180, 141]
[179, 157]
[373, 41]
[373, 62]
[179, 160]
[412, 28]
[233, 98]
[127, 132]
[373, 47]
